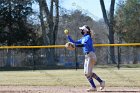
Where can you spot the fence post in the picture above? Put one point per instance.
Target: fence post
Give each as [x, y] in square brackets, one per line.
[119, 58]
[76, 63]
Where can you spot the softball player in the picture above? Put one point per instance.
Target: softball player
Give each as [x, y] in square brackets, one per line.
[86, 43]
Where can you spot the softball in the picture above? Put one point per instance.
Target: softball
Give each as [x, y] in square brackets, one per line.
[66, 31]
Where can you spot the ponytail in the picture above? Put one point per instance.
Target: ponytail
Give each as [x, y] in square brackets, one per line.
[91, 33]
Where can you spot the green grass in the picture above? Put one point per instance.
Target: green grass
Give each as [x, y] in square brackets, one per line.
[130, 65]
[125, 77]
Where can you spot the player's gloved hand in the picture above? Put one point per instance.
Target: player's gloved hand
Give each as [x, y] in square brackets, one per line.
[70, 46]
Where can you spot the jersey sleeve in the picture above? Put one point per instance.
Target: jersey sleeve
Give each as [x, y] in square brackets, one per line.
[75, 42]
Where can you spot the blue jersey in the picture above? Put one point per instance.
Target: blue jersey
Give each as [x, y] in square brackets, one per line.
[86, 40]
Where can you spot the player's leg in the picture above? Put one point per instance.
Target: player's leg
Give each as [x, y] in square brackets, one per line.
[102, 83]
[88, 73]
[94, 75]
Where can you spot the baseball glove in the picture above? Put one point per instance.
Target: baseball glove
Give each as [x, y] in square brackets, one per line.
[70, 46]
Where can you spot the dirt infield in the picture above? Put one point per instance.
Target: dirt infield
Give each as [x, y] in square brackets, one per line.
[64, 89]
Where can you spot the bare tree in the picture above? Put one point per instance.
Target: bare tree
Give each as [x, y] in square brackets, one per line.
[110, 23]
[49, 30]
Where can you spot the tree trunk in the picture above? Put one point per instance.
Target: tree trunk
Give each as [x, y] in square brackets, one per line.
[111, 41]
[111, 31]
[9, 53]
[110, 23]
[44, 33]
[52, 27]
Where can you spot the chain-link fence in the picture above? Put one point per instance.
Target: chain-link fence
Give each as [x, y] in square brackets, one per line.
[39, 58]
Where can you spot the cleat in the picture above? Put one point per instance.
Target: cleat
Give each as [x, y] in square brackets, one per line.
[102, 85]
[91, 89]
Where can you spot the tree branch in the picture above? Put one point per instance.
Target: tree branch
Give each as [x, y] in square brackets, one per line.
[112, 12]
[104, 12]
[45, 41]
[56, 18]
[51, 10]
[45, 6]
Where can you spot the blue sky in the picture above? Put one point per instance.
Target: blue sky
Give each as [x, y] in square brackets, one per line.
[90, 7]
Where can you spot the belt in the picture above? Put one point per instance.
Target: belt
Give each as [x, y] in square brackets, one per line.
[87, 53]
